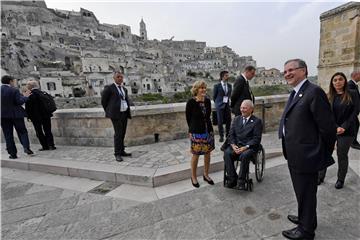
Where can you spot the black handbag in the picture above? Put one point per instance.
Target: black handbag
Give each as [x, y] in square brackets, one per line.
[214, 118]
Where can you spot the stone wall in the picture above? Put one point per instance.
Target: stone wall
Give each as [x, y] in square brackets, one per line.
[89, 126]
[339, 42]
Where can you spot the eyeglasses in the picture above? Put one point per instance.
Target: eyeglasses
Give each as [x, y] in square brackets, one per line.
[291, 70]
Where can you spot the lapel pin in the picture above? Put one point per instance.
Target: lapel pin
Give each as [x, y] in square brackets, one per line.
[251, 120]
[300, 95]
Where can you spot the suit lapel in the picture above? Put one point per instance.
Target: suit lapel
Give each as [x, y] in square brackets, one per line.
[298, 96]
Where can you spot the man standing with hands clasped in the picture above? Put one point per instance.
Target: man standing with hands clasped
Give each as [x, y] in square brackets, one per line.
[221, 97]
[116, 105]
[308, 134]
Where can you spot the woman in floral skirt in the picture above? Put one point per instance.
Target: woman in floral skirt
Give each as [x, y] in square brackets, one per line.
[201, 133]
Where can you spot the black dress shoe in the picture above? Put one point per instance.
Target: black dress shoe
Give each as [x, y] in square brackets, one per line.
[294, 219]
[43, 149]
[208, 180]
[197, 185]
[339, 184]
[28, 151]
[356, 146]
[241, 185]
[118, 158]
[125, 154]
[230, 184]
[296, 233]
[13, 156]
[52, 147]
[221, 139]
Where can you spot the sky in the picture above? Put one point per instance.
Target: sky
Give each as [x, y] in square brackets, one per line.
[271, 32]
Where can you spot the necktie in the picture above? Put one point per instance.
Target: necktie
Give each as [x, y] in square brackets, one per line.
[225, 88]
[291, 98]
[244, 121]
[121, 93]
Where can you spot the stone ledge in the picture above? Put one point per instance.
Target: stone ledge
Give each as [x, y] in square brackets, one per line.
[149, 177]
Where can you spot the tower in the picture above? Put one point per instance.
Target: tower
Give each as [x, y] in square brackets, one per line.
[143, 33]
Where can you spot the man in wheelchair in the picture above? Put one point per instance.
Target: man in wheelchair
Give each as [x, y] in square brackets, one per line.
[244, 141]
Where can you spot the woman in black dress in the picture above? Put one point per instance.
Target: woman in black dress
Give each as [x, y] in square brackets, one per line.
[201, 133]
[345, 107]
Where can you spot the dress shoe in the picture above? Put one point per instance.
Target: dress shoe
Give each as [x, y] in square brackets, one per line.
[43, 149]
[339, 184]
[28, 151]
[197, 185]
[294, 219]
[356, 146]
[221, 139]
[296, 233]
[208, 180]
[230, 184]
[118, 158]
[52, 147]
[125, 154]
[13, 156]
[241, 185]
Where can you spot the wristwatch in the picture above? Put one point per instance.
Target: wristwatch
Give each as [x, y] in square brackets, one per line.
[247, 146]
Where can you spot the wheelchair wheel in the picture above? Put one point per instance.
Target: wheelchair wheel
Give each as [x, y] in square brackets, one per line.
[260, 164]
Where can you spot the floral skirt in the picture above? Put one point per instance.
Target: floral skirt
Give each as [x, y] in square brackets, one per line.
[202, 143]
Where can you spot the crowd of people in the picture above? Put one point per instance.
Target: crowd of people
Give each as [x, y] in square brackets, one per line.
[312, 125]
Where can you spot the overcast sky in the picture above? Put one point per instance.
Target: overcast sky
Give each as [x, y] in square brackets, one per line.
[271, 32]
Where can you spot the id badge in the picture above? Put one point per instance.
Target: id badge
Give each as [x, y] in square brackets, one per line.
[225, 99]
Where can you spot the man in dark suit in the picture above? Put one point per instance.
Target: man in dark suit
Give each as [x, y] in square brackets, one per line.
[40, 118]
[242, 90]
[353, 85]
[221, 97]
[115, 102]
[244, 139]
[308, 133]
[12, 115]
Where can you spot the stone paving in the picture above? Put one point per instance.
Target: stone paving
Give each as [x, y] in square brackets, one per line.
[32, 211]
[157, 155]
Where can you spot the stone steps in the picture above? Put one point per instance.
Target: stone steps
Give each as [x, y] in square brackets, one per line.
[150, 177]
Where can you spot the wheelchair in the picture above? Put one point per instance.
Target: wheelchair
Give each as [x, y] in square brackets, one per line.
[259, 161]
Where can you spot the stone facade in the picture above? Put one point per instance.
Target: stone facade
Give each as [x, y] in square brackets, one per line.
[51, 44]
[90, 127]
[339, 42]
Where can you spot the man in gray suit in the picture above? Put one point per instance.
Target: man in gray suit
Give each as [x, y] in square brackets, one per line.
[244, 139]
[221, 97]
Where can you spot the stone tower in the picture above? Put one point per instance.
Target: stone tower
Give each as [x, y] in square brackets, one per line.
[339, 49]
[143, 33]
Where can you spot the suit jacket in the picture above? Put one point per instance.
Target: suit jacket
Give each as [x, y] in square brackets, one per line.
[34, 107]
[354, 87]
[111, 101]
[219, 93]
[240, 92]
[11, 101]
[196, 120]
[310, 130]
[346, 114]
[248, 134]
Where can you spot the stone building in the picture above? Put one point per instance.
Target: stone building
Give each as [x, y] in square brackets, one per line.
[72, 51]
[339, 42]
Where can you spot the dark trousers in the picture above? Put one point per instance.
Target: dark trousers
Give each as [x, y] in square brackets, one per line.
[224, 117]
[120, 131]
[356, 130]
[305, 187]
[43, 132]
[342, 150]
[7, 126]
[230, 157]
